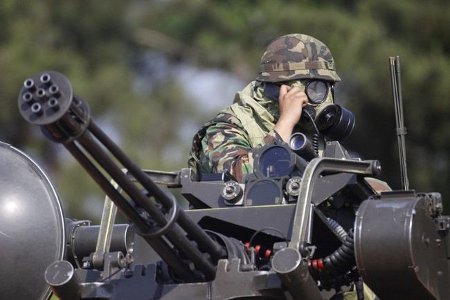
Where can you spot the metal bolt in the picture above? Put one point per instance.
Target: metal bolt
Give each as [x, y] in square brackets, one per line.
[40, 93]
[53, 103]
[54, 90]
[36, 108]
[45, 78]
[29, 83]
[27, 97]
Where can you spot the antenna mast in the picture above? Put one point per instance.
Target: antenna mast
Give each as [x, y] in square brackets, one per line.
[394, 63]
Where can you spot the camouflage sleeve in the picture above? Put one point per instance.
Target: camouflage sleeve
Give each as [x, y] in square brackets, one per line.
[226, 146]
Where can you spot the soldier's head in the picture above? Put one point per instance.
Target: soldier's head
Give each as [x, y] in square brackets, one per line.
[303, 61]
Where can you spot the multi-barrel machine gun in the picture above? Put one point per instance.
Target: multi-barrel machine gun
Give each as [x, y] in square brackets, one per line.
[302, 226]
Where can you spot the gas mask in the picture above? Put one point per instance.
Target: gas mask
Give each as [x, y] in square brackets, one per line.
[331, 120]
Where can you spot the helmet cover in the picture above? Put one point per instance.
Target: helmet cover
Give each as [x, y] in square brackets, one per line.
[297, 56]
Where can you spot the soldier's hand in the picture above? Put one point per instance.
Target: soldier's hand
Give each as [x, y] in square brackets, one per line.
[291, 102]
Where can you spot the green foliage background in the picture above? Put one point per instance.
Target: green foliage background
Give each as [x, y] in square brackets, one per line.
[118, 56]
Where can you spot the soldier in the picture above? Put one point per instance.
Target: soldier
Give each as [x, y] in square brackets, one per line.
[295, 70]
[268, 109]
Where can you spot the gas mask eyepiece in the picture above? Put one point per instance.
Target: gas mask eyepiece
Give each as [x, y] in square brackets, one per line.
[317, 91]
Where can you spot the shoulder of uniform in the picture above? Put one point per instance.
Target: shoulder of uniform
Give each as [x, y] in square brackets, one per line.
[226, 116]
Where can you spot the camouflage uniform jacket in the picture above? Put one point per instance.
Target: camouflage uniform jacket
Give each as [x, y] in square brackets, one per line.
[226, 142]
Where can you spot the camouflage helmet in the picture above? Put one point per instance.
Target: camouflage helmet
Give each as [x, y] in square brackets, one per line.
[297, 56]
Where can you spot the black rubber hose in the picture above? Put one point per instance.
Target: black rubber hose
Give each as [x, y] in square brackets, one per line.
[343, 257]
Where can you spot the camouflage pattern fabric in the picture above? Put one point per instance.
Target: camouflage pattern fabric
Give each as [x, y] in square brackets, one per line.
[297, 56]
[227, 141]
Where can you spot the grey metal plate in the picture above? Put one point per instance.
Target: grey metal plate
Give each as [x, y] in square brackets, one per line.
[398, 249]
[31, 226]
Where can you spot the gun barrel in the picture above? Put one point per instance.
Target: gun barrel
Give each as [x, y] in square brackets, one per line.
[66, 119]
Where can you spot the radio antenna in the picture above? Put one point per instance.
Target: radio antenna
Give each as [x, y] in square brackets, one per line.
[394, 63]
